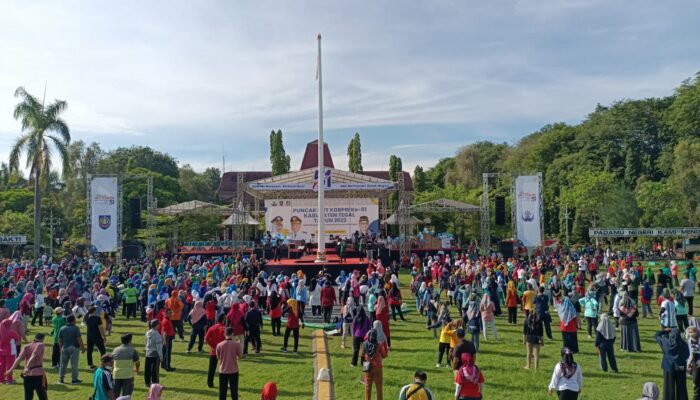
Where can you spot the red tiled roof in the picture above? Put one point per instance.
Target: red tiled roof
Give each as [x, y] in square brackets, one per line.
[310, 159]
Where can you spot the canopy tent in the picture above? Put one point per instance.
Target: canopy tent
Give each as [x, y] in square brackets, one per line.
[246, 220]
[190, 207]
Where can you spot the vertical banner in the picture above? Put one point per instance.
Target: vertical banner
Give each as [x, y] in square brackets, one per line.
[527, 210]
[104, 214]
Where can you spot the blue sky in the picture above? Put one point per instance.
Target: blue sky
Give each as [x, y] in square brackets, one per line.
[416, 79]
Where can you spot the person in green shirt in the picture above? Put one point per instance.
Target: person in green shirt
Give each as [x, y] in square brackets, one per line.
[130, 295]
[58, 322]
[126, 365]
[343, 247]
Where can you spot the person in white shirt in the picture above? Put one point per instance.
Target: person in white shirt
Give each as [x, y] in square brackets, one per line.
[38, 308]
[687, 287]
[567, 378]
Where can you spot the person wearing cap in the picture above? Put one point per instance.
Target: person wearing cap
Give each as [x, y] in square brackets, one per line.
[58, 321]
[33, 372]
[126, 365]
[417, 389]
[102, 380]
[70, 340]
[297, 233]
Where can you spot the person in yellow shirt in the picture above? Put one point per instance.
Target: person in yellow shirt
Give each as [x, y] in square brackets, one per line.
[528, 300]
[448, 331]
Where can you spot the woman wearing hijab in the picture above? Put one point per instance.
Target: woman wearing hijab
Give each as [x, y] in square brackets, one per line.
[590, 310]
[605, 343]
[567, 377]
[9, 348]
[275, 306]
[293, 317]
[155, 391]
[395, 301]
[372, 354]
[198, 320]
[348, 315]
[469, 380]
[568, 323]
[269, 391]
[533, 338]
[360, 327]
[629, 332]
[650, 391]
[487, 309]
[382, 314]
[675, 355]
[512, 302]
[472, 320]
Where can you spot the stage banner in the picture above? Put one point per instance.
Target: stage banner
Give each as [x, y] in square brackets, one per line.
[527, 210]
[296, 219]
[104, 214]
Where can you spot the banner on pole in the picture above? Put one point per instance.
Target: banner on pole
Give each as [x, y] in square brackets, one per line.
[297, 219]
[527, 210]
[637, 232]
[104, 214]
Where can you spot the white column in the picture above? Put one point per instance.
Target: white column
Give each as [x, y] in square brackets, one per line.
[321, 254]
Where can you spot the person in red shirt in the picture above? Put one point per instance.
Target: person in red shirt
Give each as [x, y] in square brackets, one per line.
[373, 353]
[327, 301]
[293, 318]
[275, 305]
[235, 320]
[469, 379]
[214, 336]
[210, 309]
[167, 330]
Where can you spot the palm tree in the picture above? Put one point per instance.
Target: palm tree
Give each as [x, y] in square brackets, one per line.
[36, 141]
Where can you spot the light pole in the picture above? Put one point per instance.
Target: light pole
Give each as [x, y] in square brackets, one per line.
[51, 222]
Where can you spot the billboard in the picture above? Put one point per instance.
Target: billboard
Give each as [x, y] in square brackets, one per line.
[297, 219]
[637, 232]
[527, 210]
[12, 240]
[104, 214]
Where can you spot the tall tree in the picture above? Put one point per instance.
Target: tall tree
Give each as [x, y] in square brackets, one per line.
[685, 179]
[420, 180]
[278, 156]
[355, 154]
[395, 167]
[43, 129]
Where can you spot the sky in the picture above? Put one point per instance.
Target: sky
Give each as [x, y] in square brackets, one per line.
[207, 79]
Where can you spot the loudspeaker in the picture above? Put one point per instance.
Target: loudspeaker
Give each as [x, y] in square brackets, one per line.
[500, 210]
[135, 213]
[506, 248]
[131, 252]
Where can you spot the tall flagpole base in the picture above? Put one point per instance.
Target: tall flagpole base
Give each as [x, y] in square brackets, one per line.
[320, 257]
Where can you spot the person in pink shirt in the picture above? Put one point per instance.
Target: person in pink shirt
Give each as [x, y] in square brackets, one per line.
[9, 345]
[228, 352]
[33, 373]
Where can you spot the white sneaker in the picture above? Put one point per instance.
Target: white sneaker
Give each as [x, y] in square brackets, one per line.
[437, 365]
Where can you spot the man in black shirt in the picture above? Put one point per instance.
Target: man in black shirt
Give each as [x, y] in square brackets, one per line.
[95, 335]
[253, 322]
[463, 346]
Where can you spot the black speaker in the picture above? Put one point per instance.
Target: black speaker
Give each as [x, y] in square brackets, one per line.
[506, 248]
[131, 252]
[135, 213]
[500, 210]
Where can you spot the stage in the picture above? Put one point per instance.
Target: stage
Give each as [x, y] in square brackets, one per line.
[310, 267]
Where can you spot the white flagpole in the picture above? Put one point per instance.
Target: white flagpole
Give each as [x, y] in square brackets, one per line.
[321, 254]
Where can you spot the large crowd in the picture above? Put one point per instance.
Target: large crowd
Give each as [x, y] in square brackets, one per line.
[223, 301]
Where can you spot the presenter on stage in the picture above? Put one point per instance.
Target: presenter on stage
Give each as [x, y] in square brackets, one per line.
[297, 233]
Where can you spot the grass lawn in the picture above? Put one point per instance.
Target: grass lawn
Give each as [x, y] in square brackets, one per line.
[414, 348]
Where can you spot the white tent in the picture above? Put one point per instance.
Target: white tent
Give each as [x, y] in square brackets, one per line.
[248, 220]
[188, 207]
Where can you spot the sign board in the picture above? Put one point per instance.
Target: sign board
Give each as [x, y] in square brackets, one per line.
[297, 219]
[637, 232]
[446, 243]
[13, 240]
[527, 210]
[103, 214]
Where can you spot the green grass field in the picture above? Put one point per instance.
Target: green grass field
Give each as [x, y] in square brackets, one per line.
[414, 348]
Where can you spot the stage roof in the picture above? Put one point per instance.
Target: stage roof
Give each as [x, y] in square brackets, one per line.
[193, 206]
[248, 220]
[444, 205]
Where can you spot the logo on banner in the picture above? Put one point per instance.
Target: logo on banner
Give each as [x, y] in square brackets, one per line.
[528, 216]
[327, 178]
[105, 221]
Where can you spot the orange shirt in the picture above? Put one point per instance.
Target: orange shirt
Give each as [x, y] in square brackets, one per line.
[175, 305]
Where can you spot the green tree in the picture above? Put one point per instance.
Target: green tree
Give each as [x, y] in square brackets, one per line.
[420, 180]
[278, 156]
[473, 160]
[436, 174]
[17, 200]
[43, 129]
[12, 222]
[660, 205]
[588, 193]
[685, 179]
[684, 114]
[355, 154]
[395, 167]
[128, 158]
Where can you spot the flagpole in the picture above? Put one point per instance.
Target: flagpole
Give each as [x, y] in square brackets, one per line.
[321, 254]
